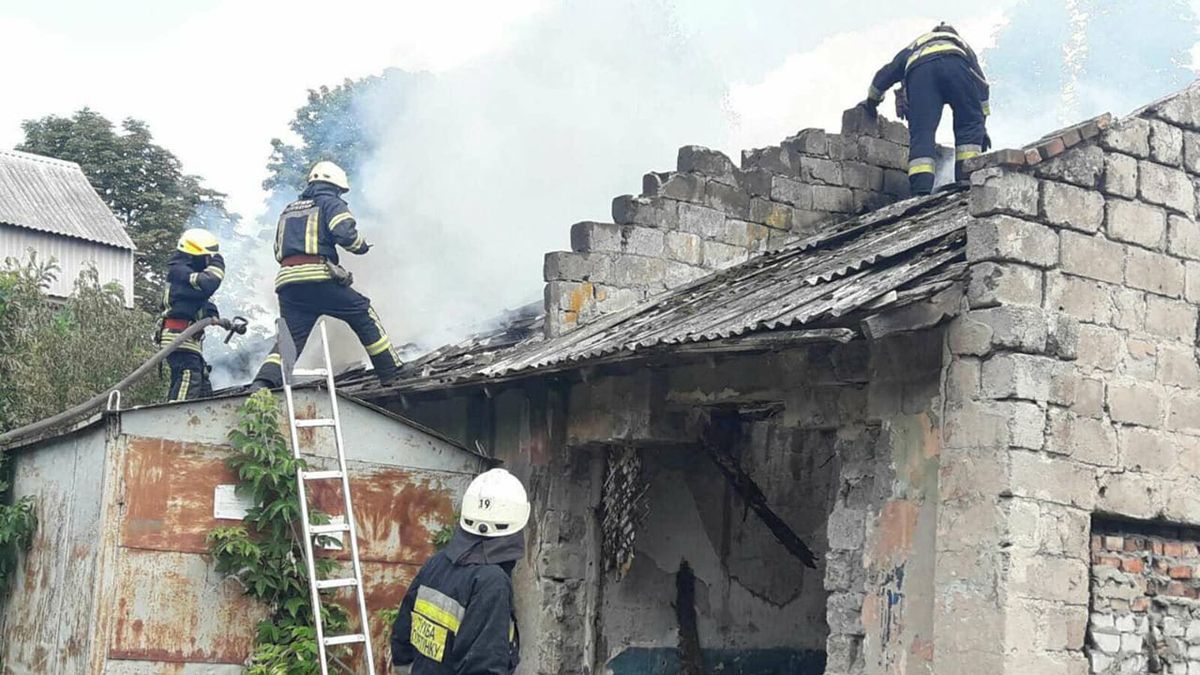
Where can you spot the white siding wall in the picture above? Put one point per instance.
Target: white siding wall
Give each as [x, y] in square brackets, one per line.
[72, 256]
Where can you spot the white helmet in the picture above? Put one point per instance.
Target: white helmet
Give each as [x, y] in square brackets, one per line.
[330, 173]
[495, 505]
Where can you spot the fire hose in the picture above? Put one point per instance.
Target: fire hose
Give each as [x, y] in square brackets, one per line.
[236, 325]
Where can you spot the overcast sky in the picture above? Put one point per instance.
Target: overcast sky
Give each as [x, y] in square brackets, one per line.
[614, 87]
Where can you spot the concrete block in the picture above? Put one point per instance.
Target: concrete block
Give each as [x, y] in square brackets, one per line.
[1120, 175]
[1062, 337]
[731, 200]
[962, 380]
[1136, 223]
[1089, 398]
[569, 266]
[1182, 109]
[1173, 319]
[647, 241]
[1092, 257]
[895, 182]
[686, 187]
[791, 191]
[836, 199]
[1183, 237]
[703, 221]
[810, 142]
[633, 271]
[1147, 450]
[1178, 365]
[1129, 494]
[820, 170]
[1167, 186]
[1191, 281]
[646, 211]
[968, 335]
[1166, 143]
[998, 191]
[1013, 328]
[1083, 166]
[866, 201]
[1050, 578]
[1139, 359]
[1099, 347]
[774, 215]
[752, 236]
[1183, 412]
[896, 132]
[1083, 299]
[856, 122]
[756, 182]
[1130, 136]
[882, 153]
[1137, 403]
[1191, 152]
[773, 158]
[1154, 272]
[862, 176]
[805, 222]
[720, 256]
[589, 236]
[1004, 238]
[843, 148]
[1084, 439]
[976, 425]
[1129, 308]
[676, 274]
[847, 529]
[1070, 206]
[1026, 423]
[1020, 376]
[711, 163]
[994, 284]
[1052, 478]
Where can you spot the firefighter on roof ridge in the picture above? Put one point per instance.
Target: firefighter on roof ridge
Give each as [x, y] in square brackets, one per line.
[937, 69]
[194, 272]
[311, 284]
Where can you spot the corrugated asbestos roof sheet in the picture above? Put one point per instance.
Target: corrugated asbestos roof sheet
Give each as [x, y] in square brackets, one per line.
[883, 260]
[50, 195]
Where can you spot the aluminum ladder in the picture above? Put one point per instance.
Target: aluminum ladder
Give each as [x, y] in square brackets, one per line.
[347, 529]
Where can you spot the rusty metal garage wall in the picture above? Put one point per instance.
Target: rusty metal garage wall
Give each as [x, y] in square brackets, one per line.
[124, 558]
[47, 620]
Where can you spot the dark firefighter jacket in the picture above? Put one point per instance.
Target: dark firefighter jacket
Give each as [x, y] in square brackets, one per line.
[314, 226]
[457, 617]
[190, 284]
[930, 46]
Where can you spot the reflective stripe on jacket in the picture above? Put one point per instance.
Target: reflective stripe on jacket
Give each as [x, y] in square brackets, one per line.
[315, 225]
[929, 46]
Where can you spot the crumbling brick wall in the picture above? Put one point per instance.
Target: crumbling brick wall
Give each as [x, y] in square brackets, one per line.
[1145, 617]
[1073, 385]
[709, 214]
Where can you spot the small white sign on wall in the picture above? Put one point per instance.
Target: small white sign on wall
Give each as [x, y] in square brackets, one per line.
[229, 505]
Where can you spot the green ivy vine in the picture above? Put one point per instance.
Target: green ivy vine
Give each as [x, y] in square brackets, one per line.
[265, 553]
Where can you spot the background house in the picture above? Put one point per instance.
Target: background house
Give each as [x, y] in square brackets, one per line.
[49, 206]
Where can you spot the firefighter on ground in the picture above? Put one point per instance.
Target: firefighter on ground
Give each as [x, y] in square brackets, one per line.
[937, 69]
[310, 282]
[457, 617]
[194, 272]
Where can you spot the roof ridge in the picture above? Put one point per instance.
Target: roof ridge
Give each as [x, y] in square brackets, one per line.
[44, 159]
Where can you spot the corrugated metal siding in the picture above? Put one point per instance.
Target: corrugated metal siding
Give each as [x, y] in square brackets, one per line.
[160, 606]
[50, 195]
[72, 256]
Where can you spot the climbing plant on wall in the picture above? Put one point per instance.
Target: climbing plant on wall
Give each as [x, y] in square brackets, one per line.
[265, 553]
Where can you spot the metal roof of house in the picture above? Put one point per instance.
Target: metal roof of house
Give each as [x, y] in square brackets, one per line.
[51, 195]
[882, 260]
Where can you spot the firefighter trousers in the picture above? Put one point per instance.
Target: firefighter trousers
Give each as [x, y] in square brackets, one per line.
[301, 304]
[931, 86]
[189, 376]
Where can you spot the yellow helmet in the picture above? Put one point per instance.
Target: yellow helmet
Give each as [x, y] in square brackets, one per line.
[198, 242]
[330, 173]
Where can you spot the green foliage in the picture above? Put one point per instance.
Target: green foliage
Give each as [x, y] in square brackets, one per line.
[331, 127]
[142, 182]
[266, 553]
[57, 353]
[18, 522]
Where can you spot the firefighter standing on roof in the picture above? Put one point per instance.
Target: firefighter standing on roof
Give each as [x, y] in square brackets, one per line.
[194, 272]
[311, 284]
[457, 617]
[937, 69]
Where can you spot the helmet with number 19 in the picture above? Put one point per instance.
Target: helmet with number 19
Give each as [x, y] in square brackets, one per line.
[495, 505]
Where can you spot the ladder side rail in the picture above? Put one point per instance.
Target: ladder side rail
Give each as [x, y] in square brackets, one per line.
[352, 534]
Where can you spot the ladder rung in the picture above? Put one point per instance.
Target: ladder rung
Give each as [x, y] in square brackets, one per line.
[320, 475]
[323, 584]
[329, 529]
[320, 422]
[344, 639]
[309, 372]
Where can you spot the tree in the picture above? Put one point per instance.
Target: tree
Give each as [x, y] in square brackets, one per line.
[332, 125]
[142, 182]
[55, 354]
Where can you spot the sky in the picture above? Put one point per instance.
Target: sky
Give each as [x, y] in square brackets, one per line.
[537, 112]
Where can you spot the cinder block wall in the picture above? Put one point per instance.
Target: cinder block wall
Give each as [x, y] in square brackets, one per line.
[709, 214]
[1071, 390]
